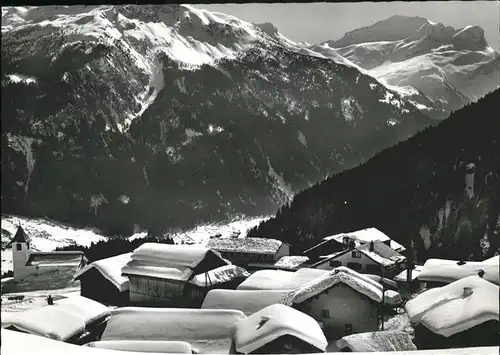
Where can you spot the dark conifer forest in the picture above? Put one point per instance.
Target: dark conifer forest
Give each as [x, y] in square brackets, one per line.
[414, 190]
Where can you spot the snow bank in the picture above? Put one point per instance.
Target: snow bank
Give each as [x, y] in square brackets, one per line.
[377, 341]
[351, 278]
[439, 270]
[61, 321]
[166, 347]
[144, 268]
[219, 275]
[456, 307]
[291, 261]
[280, 280]
[273, 322]
[205, 329]
[367, 235]
[15, 343]
[245, 245]
[111, 269]
[248, 302]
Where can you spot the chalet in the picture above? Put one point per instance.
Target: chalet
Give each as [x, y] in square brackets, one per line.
[249, 302]
[373, 258]
[339, 242]
[160, 274]
[440, 272]
[343, 301]
[207, 330]
[379, 342]
[244, 251]
[464, 313]
[28, 262]
[102, 280]
[279, 279]
[74, 320]
[278, 329]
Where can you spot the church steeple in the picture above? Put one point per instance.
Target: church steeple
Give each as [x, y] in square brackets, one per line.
[20, 237]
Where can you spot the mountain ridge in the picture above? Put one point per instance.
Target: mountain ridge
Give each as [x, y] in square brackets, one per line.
[113, 118]
[445, 198]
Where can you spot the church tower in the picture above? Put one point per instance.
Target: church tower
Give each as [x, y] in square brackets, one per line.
[20, 253]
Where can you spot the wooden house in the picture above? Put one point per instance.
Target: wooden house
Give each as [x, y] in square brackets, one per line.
[371, 258]
[102, 280]
[343, 301]
[160, 274]
[464, 313]
[245, 251]
[278, 329]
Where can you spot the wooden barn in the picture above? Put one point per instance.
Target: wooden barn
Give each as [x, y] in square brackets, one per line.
[278, 329]
[245, 251]
[464, 313]
[102, 280]
[164, 275]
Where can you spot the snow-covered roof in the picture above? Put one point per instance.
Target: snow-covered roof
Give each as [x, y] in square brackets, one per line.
[440, 270]
[64, 319]
[274, 322]
[367, 235]
[377, 341]
[144, 346]
[382, 254]
[111, 269]
[392, 298]
[246, 301]
[401, 277]
[455, 307]
[219, 275]
[67, 258]
[245, 245]
[291, 261]
[344, 275]
[201, 328]
[144, 268]
[279, 279]
[15, 343]
[185, 255]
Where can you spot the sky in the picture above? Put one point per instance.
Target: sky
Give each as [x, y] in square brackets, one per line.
[317, 22]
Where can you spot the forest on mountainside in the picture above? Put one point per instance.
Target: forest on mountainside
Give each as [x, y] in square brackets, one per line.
[414, 190]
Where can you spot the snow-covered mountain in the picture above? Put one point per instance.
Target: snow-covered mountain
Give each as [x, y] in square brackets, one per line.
[166, 116]
[433, 65]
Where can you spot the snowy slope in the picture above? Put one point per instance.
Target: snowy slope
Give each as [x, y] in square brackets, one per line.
[449, 66]
[136, 112]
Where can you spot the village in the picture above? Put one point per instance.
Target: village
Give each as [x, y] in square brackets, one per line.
[353, 292]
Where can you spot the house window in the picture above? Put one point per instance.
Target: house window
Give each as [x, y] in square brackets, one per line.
[19, 246]
[354, 266]
[325, 313]
[335, 263]
[356, 254]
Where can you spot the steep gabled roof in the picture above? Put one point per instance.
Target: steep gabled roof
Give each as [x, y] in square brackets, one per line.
[367, 235]
[245, 245]
[111, 269]
[344, 275]
[20, 237]
[382, 254]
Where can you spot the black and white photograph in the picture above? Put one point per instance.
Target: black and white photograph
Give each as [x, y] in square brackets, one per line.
[250, 178]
